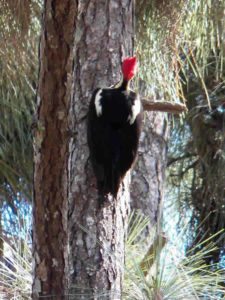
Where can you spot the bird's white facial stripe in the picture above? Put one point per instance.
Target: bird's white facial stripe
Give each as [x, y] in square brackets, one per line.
[135, 110]
[98, 106]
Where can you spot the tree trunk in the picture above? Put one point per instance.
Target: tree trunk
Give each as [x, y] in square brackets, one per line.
[104, 31]
[148, 176]
[50, 241]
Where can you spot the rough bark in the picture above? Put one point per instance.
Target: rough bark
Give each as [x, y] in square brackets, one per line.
[149, 172]
[50, 241]
[104, 31]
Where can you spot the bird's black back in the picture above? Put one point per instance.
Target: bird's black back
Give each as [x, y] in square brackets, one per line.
[113, 141]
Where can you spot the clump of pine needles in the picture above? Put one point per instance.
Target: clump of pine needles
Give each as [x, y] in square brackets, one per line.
[155, 268]
[161, 271]
[16, 264]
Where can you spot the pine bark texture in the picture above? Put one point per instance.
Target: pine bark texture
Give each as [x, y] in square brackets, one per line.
[148, 176]
[104, 32]
[51, 145]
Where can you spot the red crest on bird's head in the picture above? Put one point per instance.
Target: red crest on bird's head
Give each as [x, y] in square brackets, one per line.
[129, 67]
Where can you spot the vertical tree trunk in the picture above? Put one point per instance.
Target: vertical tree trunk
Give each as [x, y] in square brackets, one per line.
[147, 183]
[51, 151]
[104, 31]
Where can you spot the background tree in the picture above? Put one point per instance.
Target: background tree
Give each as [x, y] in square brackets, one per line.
[155, 82]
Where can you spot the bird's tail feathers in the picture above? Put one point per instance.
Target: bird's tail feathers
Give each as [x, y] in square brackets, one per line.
[110, 183]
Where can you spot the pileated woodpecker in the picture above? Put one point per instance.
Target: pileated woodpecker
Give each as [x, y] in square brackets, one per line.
[114, 125]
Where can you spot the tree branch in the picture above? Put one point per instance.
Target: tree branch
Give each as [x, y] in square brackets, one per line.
[175, 159]
[169, 107]
[191, 166]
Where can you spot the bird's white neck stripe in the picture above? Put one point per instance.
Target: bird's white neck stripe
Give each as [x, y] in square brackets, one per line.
[98, 106]
[135, 110]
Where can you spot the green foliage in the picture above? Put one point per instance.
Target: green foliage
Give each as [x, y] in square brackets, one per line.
[156, 45]
[19, 29]
[179, 35]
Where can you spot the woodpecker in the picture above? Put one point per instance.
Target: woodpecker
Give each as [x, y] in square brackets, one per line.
[114, 125]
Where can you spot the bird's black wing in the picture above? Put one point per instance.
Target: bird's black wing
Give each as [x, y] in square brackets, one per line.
[129, 135]
[95, 139]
